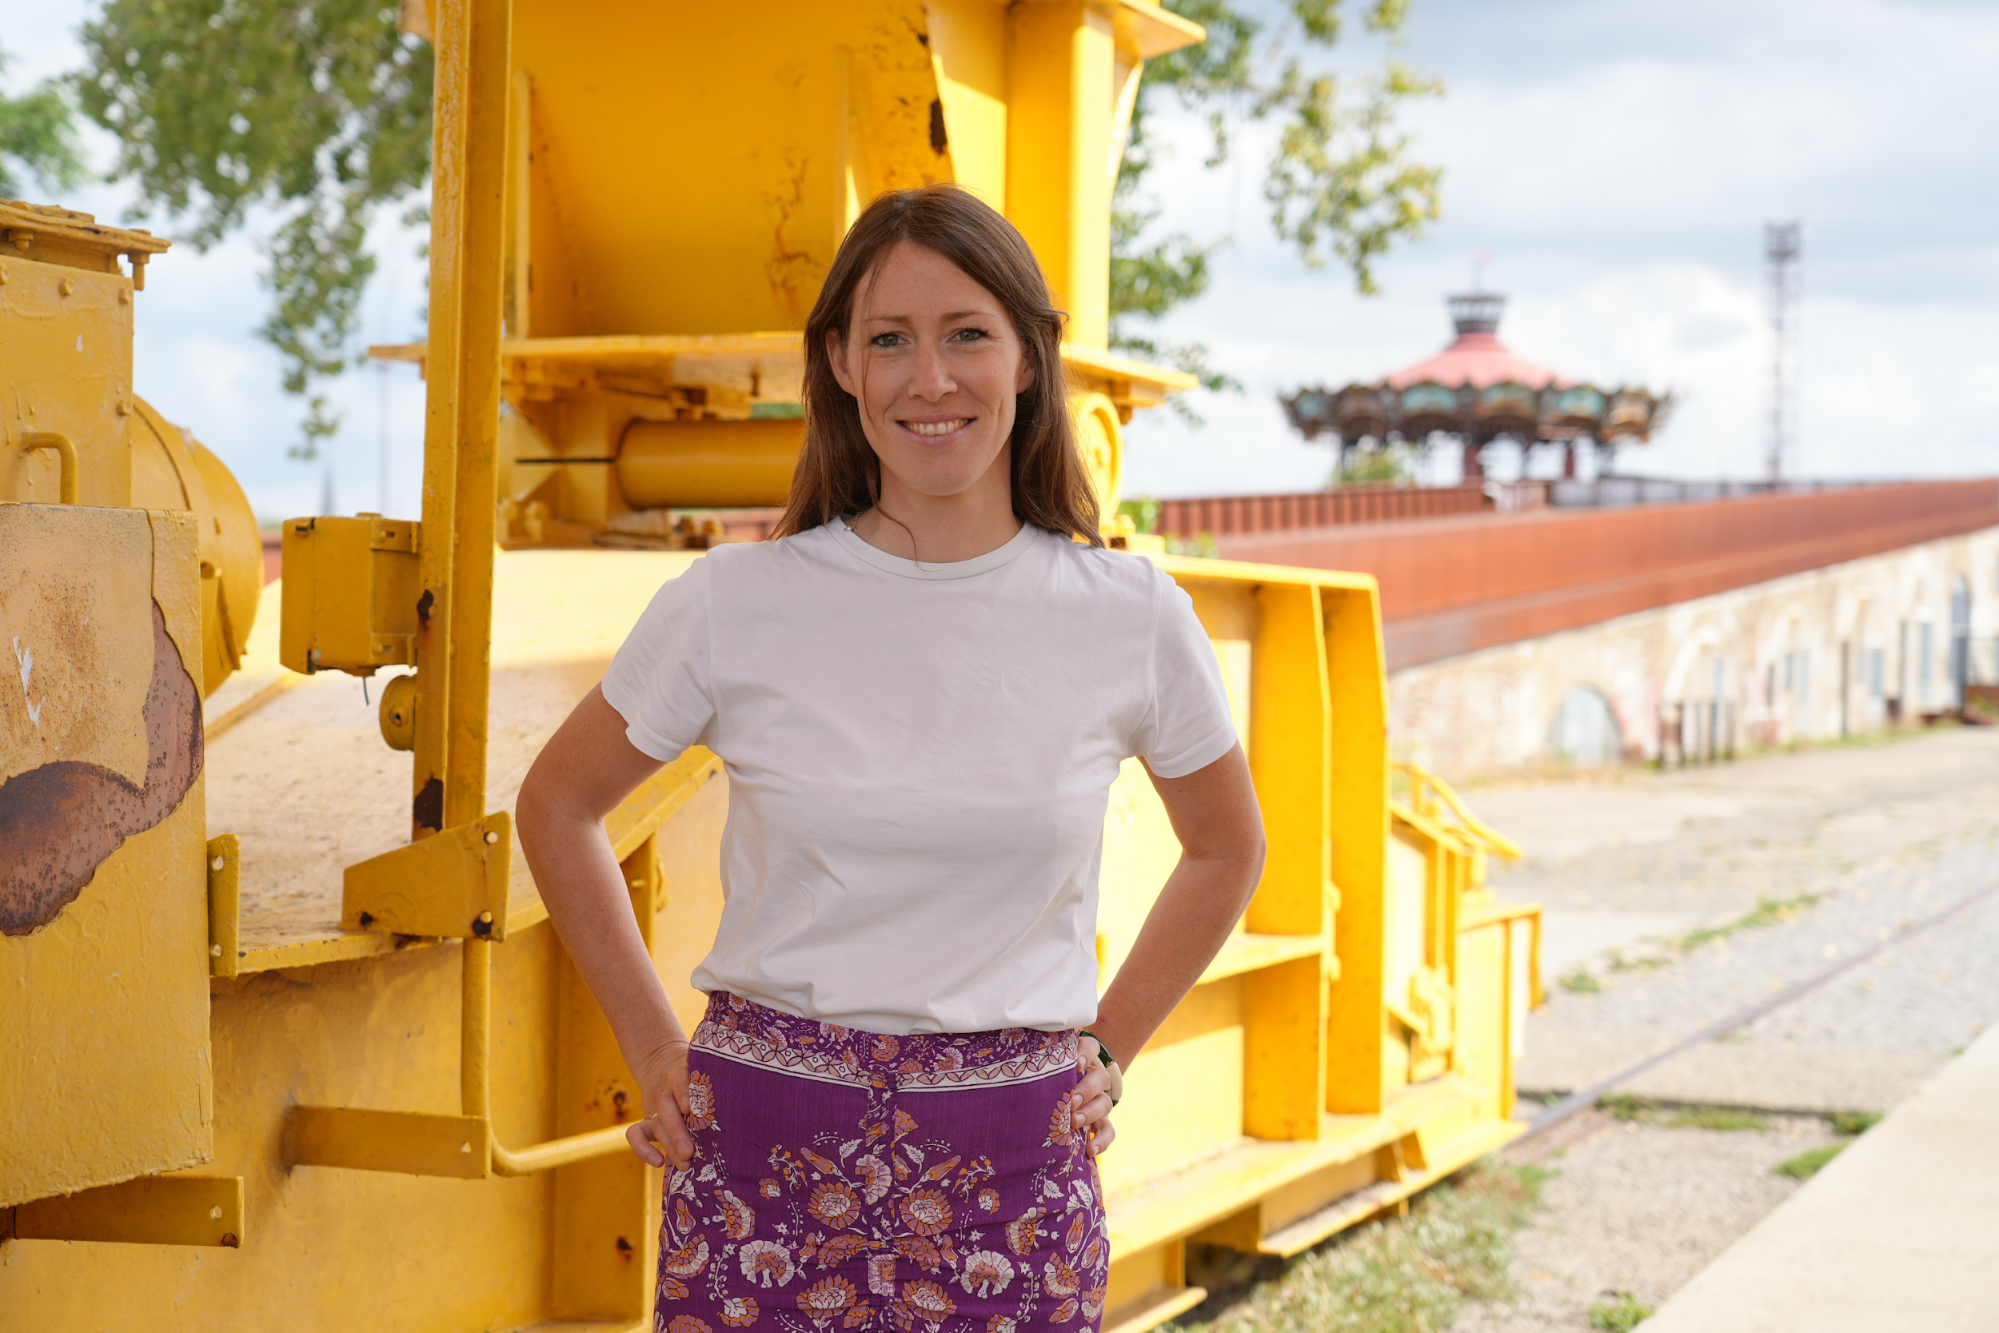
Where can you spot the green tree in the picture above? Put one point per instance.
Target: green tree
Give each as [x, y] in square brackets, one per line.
[318, 111]
[1340, 185]
[37, 138]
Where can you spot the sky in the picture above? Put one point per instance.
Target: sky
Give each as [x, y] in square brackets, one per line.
[1617, 161]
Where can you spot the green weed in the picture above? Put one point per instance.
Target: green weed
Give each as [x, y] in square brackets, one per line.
[1645, 1111]
[1853, 1122]
[1580, 982]
[1769, 911]
[1807, 1163]
[1724, 1118]
[1622, 1317]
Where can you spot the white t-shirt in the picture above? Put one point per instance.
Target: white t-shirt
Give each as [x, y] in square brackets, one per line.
[919, 760]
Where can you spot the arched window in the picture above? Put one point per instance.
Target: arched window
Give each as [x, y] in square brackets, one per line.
[1585, 730]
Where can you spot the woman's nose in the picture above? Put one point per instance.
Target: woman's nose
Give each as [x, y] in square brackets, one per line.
[933, 378]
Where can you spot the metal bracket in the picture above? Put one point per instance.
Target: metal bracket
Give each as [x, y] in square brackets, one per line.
[225, 862]
[350, 594]
[410, 1142]
[450, 885]
[152, 1210]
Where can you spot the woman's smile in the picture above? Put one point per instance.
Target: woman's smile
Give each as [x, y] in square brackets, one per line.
[935, 430]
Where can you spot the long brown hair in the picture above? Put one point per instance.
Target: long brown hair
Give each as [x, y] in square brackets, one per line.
[838, 473]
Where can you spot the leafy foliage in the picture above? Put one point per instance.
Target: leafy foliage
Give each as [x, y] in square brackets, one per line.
[320, 111]
[36, 137]
[1339, 185]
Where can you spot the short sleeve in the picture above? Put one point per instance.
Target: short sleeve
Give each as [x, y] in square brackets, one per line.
[1187, 727]
[659, 681]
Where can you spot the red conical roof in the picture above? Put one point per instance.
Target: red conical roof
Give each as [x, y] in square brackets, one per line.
[1477, 358]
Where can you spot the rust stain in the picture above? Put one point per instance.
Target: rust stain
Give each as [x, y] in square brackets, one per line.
[428, 807]
[60, 821]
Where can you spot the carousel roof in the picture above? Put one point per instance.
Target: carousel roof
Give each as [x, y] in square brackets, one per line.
[1477, 358]
[1477, 389]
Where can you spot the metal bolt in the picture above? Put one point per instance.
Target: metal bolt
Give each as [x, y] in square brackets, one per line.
[465, 1148]
[66, 286]
[124, 295]
[215, 1214]
[486, 917]
[216, 864]
[491, 837]
[214, 951]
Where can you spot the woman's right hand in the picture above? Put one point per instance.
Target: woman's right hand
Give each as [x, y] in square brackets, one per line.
[663, 1137]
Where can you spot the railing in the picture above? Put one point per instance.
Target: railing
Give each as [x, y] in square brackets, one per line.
[1228, 515]
[1430, 796]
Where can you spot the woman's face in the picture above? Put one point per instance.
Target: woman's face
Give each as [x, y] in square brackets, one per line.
[934, 364]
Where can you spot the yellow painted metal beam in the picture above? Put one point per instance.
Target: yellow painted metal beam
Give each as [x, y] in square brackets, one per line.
[409, 1142]
[152, 1210]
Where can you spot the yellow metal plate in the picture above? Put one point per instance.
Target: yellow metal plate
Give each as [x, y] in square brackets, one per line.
[104, 1045]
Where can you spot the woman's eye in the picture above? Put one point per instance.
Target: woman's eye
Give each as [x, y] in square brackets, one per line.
[885, 340]
[969, 335]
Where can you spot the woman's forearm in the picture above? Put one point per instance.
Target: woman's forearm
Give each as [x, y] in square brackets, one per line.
[1214, 814]
[587, 767]
[591, 909]
[1186, 928]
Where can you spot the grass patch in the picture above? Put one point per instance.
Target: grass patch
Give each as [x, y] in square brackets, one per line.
[1725, 1118]
[1621, 1317]
[1807, 1163]
[1645, 1111]
[1769, 911]
[1408, 1274]
[1580, 982]
[1847, 1124]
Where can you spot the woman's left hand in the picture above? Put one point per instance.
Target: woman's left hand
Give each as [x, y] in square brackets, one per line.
[1090, 1103]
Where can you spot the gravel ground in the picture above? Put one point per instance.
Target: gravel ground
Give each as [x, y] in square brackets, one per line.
[1929, 994]
[1880, 837]
[1639, 1209]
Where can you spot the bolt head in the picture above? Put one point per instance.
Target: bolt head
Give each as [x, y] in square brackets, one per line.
[491, 837]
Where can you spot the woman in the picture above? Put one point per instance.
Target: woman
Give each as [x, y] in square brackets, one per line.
[922, 690]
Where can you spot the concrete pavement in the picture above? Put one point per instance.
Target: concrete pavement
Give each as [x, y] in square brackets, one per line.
[1901, 1231]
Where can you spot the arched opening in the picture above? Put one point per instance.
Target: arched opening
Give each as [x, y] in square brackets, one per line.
[1585, 730]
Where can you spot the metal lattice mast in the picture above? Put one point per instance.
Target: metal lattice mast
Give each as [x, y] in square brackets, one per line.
[1782, 242]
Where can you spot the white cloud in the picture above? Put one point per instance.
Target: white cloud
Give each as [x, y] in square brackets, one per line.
[1620, 160]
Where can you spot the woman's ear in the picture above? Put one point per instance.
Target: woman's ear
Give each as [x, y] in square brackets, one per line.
[836, 352]
[1024, 379]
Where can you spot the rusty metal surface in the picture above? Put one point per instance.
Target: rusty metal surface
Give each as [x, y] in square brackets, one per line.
[1456, 584]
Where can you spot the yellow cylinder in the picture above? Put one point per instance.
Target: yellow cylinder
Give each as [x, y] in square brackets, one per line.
[698, 464]
[173, 470]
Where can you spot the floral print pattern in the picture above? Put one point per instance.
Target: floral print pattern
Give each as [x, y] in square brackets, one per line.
[846, 1180]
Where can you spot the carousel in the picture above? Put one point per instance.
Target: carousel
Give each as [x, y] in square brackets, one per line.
[1477, 391]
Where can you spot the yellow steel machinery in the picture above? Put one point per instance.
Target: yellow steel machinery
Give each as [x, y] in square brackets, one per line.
[322, 1063]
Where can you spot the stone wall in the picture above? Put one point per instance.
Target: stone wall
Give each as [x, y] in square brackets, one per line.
[1847, 649]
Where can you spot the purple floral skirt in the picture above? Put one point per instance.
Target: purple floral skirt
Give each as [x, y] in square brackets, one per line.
[851, 1180]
